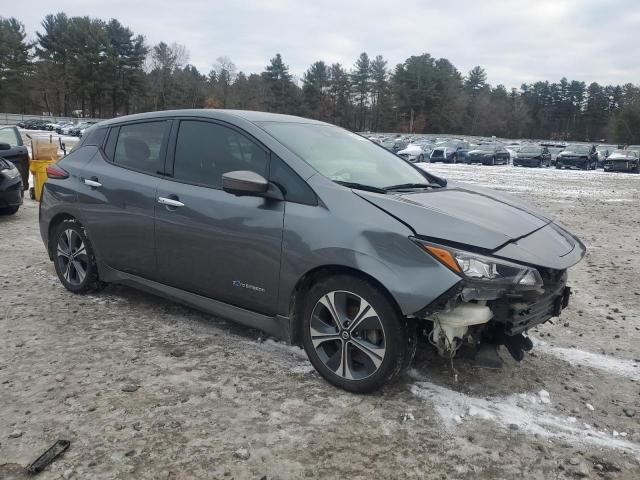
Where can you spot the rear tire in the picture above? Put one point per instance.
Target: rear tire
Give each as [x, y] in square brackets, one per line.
[353, 334]
[73, 258]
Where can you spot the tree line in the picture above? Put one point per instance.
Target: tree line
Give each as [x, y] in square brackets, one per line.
[99, 68]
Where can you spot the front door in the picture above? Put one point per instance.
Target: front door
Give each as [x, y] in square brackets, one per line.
[210, 242]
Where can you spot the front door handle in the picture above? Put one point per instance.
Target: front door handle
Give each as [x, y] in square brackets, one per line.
[92, 183]
[170, 202]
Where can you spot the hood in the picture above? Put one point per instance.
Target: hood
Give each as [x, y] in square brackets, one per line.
[621, 156]
[479, 151]
[462, 214]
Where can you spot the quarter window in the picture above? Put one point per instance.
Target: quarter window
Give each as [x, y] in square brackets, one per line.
[139, 146]
[205, 151]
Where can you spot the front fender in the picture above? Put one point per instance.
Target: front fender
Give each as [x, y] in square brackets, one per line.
[350, 232]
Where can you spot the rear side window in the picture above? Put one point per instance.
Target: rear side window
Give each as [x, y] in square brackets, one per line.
[205, 151]
[95, 137]
[8, 135]
[139, 146]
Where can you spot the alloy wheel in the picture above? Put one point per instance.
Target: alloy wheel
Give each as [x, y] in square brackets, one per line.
[347, 335]
[72, 257]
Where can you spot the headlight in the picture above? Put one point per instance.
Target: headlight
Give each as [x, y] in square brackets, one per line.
[487, 270]
[10, 172]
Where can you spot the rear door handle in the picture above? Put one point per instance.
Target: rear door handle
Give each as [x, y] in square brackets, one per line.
[92, 183]
[170, 202]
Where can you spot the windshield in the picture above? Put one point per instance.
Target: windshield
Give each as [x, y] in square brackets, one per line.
[343, 156]
[578, 148]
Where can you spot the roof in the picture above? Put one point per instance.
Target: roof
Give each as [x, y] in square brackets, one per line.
[220, 114]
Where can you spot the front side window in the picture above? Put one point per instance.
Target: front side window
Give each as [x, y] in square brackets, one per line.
[139, 146]
[8, 135]
[343, 156]
[205, 151]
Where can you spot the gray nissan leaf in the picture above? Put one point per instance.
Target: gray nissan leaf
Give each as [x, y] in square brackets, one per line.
[308, 232]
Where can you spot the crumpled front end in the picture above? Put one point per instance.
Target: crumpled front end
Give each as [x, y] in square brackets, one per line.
[497, 301]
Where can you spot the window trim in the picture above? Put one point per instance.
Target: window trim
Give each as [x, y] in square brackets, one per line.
[162, 154]
[171, 151]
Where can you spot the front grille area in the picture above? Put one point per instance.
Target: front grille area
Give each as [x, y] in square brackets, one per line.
[519, 314]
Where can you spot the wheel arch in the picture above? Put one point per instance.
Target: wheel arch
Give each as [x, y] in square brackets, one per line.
[296, 299]
[55, 221]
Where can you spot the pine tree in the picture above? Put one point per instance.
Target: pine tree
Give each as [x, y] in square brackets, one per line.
[361, 87]
[380, 93]
[339, 92]
[15, 65]
[315, 86]
[280, 89]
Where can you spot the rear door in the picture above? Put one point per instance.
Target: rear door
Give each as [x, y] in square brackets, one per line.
[211, 242]
[118, 195]
[17, 153]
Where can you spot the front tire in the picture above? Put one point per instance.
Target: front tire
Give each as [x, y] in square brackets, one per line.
[73, 258]
[353, 334]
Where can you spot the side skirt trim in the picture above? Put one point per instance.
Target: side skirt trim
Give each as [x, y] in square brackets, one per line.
[277, 326]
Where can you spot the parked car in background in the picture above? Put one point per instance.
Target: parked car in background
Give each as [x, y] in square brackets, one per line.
[578, 156]
[143, 198]
[532, 156]
[413, 153]
[14, 170]
[604, 151]
[554, 150]
[623, 161]
[489, 154]
[635, 148]
[449, 152]
[34, 124]
[66, 129]
[76, 130]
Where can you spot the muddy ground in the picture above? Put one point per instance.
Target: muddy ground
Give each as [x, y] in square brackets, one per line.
[144, 388]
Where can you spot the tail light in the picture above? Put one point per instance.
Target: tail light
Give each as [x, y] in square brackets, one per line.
[54, 171]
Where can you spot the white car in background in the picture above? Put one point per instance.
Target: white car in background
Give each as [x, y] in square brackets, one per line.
[413, 153]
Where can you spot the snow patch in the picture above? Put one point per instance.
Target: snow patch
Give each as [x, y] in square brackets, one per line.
[574, 356]
[274, 346]
[528, 412]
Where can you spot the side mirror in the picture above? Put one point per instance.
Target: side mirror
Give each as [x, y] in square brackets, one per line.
[5, 146]
[245, 182]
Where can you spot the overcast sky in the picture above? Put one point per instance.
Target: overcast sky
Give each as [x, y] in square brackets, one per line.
[516, 41]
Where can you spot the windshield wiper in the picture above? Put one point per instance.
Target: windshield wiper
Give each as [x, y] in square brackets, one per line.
[404, 186]
[361, 186]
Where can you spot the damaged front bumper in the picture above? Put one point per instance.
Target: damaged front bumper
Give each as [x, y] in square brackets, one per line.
[474, 314]
[517, 315]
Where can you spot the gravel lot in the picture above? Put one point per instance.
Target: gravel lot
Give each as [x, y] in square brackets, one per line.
[144, 388]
